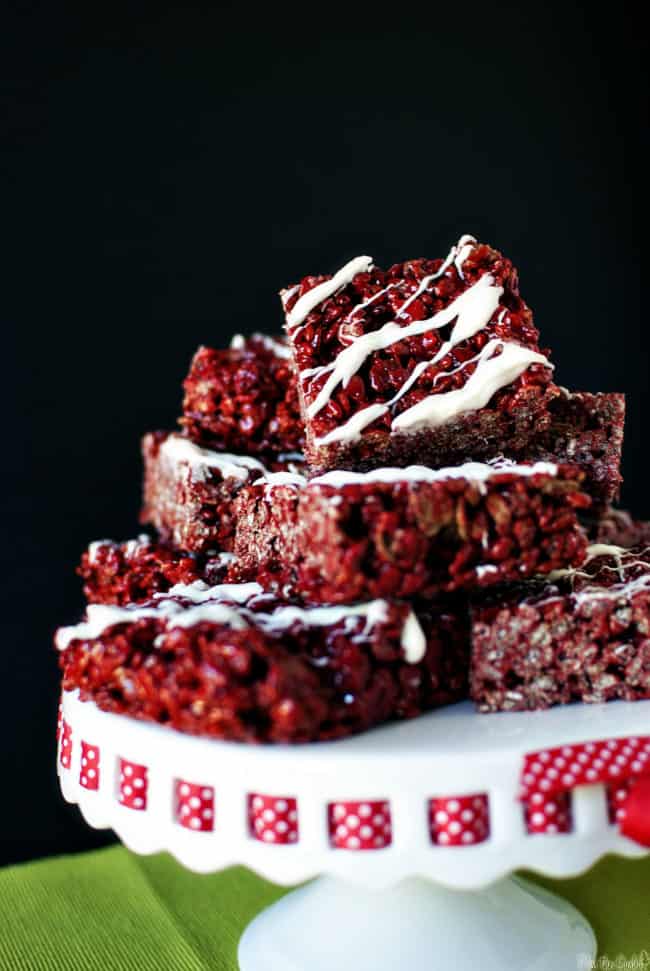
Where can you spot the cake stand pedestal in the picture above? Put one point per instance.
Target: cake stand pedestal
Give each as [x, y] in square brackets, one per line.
[413, 832]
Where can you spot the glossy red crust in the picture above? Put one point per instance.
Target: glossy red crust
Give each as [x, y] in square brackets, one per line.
[245, 685]
[586, 429]
[190, 513]
[130, 572]
[538, 647]
[243, 399]
[508, 422]
[360, 541]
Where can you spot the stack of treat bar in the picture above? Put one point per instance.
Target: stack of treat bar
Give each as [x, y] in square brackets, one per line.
[390, 509]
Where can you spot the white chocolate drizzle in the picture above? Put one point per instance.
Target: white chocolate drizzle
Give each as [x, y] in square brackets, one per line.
[478, 472]
[223, 604]
[304, 306]
[624, 559]
[200, 460]
[272, 345]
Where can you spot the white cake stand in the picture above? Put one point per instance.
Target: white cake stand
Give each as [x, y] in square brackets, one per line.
[355, 814]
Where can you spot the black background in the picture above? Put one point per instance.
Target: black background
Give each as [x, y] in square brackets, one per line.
[162, 178]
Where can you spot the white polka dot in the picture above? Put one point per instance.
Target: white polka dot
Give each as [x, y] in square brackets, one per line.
[257, 803]
[468, 837]
[352, 822]
[612, 744]
[478, 803]
[568, 779]
[365, 810]
[84, 761]
[591, 775]
[281, 826]
[550, 808]
[379, 841]
[138, 802]
[536, 768]
[281, 805]
[206, 793]
[207, 814]
[128, 770]
[441, 817]
[551, 828]
[259, 825]
[365, 832]
[195, 823]
[453, 805]
[583, 758]
[127, 790]
[455, 828]
[269, 836]
[537, 798]
[545, 785]
[538, 819]
[185, 810]
[379, 819]
[138, 783]
[293, 816]
[339, 812]
[91, 773]
[353, 843]
[544, 757]
[443, 838]
[84, 780]
[184, 789]
[195, 802]
[552, 774]
[293, 836]
[467, 815]
[341, 831]
[268, 815]
[91, 753]
[568, 751]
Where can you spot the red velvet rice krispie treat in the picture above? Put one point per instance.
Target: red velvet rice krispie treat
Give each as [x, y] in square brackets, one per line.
[585, 429]
[408, 532]
[618, 528]
[430, 361]
[188, 491]
[244, 399]
[228, 663]
[584, 637]
[123, 573]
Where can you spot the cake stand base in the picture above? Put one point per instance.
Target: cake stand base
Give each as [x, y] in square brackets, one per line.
[329, 924]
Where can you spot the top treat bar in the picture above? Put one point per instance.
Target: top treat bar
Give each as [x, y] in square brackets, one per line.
[431, 361]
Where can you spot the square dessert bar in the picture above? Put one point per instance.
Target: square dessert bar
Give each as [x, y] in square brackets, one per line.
[123, 573]
[230, 663]
[188, 491]
[587, 430]
[618, 528]
[244, 399]
[348, 536]
[584, 637]
[434, 361]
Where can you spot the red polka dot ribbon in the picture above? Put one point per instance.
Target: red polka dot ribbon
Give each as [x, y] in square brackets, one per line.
[620, 764]
[89, 771]
[65, 745]
[195, 806]
[360, 825]
[273, 819]
[459, 820]
[133, 785]
[547, 815]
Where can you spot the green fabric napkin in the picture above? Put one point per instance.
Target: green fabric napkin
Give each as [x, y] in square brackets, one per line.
[113, 911]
